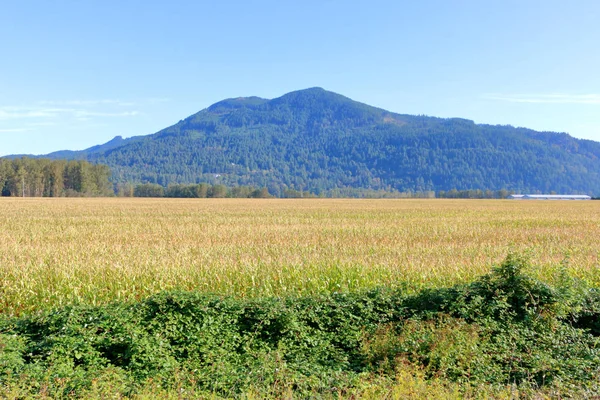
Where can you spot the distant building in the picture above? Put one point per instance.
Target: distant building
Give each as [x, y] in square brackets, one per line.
[549, 197]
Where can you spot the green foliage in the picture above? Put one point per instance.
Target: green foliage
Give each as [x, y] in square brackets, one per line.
[503, 329]
[201, 190]
[39, 177]
[148, 190]
[474, 194]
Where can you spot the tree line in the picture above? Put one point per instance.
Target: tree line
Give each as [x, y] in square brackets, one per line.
[31, 177]
[39, 177]
[201, 190]
[474, 194]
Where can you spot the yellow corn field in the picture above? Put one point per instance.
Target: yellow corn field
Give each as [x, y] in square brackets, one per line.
[63, 251]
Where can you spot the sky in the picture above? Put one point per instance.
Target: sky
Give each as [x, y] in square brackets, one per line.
[74, 74]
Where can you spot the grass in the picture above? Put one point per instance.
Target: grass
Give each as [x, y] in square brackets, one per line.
[56, 252]
[212, 298]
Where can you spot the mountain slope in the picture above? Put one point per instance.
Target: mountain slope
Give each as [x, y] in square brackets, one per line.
[316, 140]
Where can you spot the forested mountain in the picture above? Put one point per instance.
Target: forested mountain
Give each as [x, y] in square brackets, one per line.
[317, 140]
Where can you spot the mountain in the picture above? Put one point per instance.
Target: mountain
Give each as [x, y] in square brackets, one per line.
[115, 142]
[317, 140]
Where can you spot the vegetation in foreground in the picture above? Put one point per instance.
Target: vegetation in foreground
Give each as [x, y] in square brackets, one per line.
[296, 308]
[505, 334]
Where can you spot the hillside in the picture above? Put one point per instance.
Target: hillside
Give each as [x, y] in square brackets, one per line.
[316, 140]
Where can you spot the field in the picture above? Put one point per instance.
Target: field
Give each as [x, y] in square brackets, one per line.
[65, 251]
[313, 298]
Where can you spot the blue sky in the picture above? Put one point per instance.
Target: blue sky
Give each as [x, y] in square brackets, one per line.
[77, 73]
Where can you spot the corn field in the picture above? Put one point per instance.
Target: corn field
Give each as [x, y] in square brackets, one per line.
[59, 251]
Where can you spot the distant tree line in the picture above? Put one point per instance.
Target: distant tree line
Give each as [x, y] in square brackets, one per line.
[394, 194]
[38, 177]
[205, 190]
[31, 177]
[474, 194]
[201, 190]
[358, 193]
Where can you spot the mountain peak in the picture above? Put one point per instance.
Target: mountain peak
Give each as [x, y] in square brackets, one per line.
[228, 105]
[319, 104]
[314, 93]
[315, 89]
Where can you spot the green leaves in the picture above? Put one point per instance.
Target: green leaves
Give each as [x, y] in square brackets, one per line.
[504, 328]
[39, 177]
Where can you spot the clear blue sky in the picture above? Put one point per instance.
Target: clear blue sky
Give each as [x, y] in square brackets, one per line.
[77, 73]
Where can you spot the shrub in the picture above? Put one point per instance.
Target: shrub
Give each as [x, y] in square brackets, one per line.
[503, 329]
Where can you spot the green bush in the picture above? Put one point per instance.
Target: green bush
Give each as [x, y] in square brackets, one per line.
[503, 329]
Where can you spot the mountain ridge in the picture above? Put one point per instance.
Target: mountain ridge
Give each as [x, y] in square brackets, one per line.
[314, 139]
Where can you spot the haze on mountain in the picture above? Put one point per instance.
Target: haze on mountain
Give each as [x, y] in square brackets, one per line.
[316, 140]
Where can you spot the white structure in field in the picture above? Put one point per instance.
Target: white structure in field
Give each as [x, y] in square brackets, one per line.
[549, 197]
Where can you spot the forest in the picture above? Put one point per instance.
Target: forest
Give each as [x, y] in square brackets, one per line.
[30, 177]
